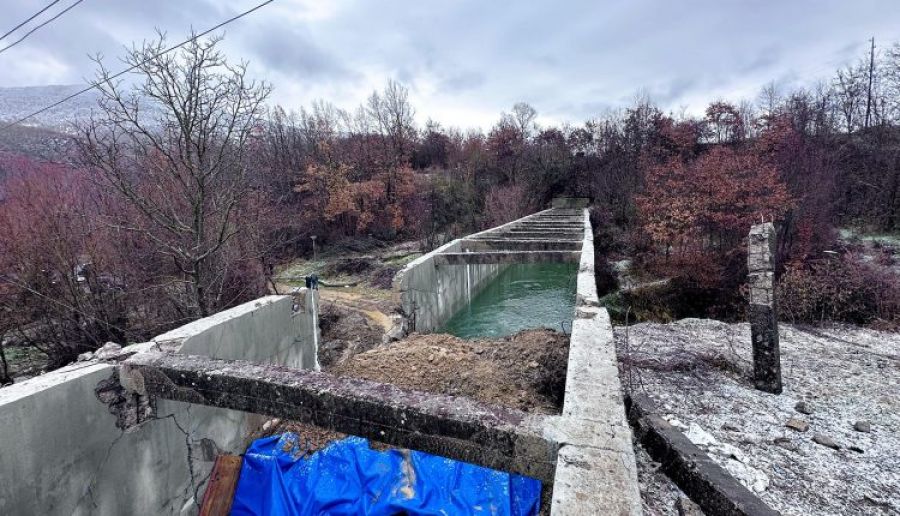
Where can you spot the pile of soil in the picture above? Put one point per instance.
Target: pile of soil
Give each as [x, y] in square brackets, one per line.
[345, 332]
[526, 371]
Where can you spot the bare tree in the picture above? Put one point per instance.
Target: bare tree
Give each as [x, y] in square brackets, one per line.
[174, 149]
[393, 116]
[850, 94]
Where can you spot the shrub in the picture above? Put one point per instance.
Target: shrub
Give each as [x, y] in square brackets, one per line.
[842, 289]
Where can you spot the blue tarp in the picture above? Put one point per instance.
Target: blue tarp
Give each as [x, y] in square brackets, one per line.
[349, 478]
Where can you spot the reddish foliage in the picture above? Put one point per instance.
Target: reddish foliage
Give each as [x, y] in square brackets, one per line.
[696, 213]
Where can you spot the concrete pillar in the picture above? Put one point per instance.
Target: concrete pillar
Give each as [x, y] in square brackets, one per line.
[763, 318]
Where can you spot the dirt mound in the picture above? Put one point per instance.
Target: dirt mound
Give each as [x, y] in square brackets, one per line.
[526, 370]
[345, 332]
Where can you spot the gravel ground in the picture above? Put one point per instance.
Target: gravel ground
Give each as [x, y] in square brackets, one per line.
[659, 495]
[844, 375]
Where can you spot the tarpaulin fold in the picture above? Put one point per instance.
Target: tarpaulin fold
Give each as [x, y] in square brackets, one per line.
[348, 478]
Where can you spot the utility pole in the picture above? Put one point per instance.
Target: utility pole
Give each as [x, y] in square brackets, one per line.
[871, 73]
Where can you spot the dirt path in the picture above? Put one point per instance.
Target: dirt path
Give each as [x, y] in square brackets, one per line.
[374, 310]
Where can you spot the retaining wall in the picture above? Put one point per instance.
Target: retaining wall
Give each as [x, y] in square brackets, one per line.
[61, 452]
[431, 293]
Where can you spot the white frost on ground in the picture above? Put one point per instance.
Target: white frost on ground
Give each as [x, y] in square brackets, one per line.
[845, 374]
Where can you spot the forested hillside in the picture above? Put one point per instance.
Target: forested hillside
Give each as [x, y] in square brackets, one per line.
[139, 223]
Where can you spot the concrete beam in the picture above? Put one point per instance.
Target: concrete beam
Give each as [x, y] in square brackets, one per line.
[507, 257]
[533, 235]
[458, 428]
[704, 481]
[498, 244]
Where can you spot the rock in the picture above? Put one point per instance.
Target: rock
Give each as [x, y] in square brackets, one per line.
[267, 425]
[109, 350]
[84, 357]
[699, 436]
[797, 424]
[729, 451]
[786, 443]
[687, 508]
[431, 357]
[730, 427]
[803, 408]
[824, 440]
[862, 426]
[754, 479]
[533, 364]
[674, 422]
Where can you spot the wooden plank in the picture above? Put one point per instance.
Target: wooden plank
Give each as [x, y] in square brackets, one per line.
[222, 483]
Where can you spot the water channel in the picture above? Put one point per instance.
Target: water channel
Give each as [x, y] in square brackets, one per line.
[524, 296]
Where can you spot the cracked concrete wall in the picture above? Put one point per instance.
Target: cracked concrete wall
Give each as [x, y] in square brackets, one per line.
[62, 452]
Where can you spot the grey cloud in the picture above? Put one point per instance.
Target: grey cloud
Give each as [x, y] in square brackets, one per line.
[570, 58]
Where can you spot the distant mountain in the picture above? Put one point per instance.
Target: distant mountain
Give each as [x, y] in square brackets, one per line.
[16, 103]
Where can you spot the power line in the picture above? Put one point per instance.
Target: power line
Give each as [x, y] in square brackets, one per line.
[32, 31]
[130, 68]
[33, 16]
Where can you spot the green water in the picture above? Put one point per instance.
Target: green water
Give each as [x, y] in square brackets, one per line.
[538, 295]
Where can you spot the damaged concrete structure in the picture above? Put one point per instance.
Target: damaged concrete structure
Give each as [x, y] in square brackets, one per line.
[197, 392]
[66, 452]
[432, 288]
[763, 312]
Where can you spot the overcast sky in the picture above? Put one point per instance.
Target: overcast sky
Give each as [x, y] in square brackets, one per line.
[465, 61]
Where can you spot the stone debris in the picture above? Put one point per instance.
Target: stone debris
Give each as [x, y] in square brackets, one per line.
[699, 436]
[797, 424]
[753, 478]
[862, 426]
[687, 508]
[107, 351]
[824, 440]
[803, 408]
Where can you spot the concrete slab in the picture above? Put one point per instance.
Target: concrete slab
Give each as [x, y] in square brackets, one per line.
[459, 428]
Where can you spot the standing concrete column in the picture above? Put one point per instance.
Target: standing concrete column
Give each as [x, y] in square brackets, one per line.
[763, 318]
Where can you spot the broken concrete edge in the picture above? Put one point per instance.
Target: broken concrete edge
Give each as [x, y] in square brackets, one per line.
[705, 482]
[458, 428]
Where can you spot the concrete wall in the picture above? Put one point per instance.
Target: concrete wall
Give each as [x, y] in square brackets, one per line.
[61, 452]
[595, 471]
[431, 293]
